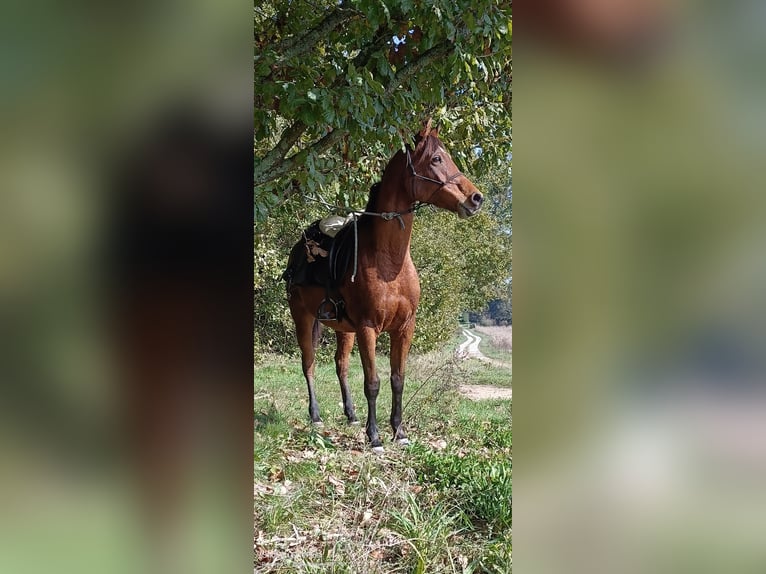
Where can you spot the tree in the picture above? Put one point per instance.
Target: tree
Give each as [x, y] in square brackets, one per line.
[496, 185]
[462, 264]
[339, 84]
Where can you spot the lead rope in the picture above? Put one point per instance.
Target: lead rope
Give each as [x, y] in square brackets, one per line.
[385, 216]
[356, 248]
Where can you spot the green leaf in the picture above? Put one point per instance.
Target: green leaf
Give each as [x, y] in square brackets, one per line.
[386, 11]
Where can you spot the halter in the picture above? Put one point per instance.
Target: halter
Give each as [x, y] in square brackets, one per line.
[416, 175]
[388, 216]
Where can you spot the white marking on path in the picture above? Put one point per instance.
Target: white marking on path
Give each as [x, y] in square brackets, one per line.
[469, 349]
[470, 346]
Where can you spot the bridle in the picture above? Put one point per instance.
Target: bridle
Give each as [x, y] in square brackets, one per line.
[388, 216]
[416, 175]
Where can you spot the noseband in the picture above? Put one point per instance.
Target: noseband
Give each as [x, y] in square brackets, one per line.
[416, 175]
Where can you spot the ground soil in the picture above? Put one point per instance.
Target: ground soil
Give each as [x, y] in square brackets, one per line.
[483, 392]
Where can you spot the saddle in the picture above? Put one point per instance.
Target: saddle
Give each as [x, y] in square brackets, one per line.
[322, 260]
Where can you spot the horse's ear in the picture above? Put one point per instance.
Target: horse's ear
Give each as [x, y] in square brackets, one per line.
[426, 131]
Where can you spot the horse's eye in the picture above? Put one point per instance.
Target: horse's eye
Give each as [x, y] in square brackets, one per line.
[437, 159]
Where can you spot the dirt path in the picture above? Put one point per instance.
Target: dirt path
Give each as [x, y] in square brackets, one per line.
[469, 349]
[483, 392]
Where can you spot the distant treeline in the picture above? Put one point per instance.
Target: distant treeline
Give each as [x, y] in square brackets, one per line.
[498, 312]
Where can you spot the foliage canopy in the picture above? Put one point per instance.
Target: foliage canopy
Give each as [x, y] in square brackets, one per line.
[339, 86]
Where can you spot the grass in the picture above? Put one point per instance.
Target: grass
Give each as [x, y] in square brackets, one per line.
[476, 372]
[324, 503]
[493, 351]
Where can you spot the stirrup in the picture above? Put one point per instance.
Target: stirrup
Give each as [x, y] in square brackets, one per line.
[328, 310]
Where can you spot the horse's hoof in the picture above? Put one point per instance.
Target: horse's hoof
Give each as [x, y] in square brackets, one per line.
[354, 423]
[403, 441]
[378, 450]
[318, 424]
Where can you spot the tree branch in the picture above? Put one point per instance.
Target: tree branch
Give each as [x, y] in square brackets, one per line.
[426, 58]
[376, 44]
[298, 45]
[269, 165]
[275, 164]
[296, 160]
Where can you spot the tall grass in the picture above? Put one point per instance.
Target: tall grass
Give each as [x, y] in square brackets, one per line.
[324, 503]
[499, 337]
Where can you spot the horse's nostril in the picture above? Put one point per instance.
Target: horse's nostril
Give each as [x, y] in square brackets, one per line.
[477, 198]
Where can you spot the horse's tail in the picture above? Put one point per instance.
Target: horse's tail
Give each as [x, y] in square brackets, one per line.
[316, 332]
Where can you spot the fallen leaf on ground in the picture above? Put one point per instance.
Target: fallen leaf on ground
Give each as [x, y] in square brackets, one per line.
[340, 488]
[276, 474]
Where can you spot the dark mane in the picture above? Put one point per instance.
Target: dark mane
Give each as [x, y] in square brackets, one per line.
[372, 202]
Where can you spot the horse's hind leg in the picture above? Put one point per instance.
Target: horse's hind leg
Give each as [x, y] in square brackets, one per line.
[342, 354]
[400, 348]
[307, 330]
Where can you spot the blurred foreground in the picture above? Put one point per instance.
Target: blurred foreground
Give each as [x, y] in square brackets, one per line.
[125, 287]
[639, 403]
[126, 268]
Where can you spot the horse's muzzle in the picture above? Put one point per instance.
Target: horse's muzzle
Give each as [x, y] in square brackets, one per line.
[463, 211]
[471, 205]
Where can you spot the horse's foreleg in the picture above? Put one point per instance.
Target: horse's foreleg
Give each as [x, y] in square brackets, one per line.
[304, 328]
[366, 341]
[342, 354]
[400, 348]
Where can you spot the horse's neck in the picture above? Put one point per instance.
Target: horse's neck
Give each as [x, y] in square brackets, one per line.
[389, 237]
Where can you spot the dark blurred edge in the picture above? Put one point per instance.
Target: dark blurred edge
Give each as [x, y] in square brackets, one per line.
[179, 256]
[126, 287]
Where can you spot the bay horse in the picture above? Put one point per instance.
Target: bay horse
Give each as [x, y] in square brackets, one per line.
[384, 294]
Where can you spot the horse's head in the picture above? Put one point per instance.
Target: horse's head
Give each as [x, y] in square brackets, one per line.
[435, 178]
